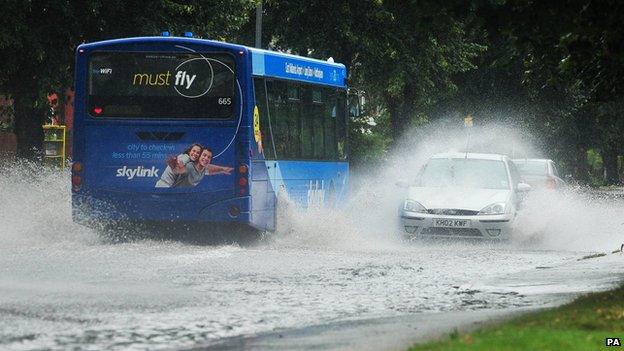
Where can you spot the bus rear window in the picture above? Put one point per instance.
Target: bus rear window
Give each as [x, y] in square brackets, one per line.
[161, 85]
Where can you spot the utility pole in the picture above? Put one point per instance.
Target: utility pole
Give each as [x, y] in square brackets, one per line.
[259, 25]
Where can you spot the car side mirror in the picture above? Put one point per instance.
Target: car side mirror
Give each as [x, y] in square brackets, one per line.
[402, 184]
[523, 187]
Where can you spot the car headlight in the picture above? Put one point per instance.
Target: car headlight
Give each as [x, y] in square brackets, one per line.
[493, 209]
[414, 206]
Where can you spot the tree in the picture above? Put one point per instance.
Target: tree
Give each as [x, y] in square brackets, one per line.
[405, 53]
[38, 39]
[574, 70]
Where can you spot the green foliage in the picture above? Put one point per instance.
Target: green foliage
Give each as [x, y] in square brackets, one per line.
[554, 68]
[581, 325]
[38, 39]
[553, 77]
[573, 73]
[406, 53]
[368, 140]
[594, 160]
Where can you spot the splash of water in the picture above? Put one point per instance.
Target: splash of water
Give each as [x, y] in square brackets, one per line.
[35, 208]
[325, 228]
[570, 221]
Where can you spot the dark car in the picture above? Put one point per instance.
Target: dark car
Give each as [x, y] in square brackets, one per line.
[540, 173]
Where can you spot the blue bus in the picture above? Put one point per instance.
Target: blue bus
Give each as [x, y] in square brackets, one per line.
[180, 129]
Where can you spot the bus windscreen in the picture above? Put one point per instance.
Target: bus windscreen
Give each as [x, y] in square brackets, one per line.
[161, 85]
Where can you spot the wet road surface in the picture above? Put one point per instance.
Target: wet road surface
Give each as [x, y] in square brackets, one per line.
[165, 294]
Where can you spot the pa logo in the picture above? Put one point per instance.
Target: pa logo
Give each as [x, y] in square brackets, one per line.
[613, 342]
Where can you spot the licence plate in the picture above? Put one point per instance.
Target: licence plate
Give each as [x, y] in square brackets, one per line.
[451, 223]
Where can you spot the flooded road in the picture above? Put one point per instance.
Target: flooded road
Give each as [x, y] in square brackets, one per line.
[62, 286]
[166, 294]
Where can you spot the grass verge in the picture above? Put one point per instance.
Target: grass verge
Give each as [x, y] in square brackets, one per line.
[584, 324]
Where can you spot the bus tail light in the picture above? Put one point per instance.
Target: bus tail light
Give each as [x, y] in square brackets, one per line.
[243, 179]
[76, 178]
[77, 167]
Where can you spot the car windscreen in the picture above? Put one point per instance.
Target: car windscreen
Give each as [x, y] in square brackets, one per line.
[464, 172]
[532, 167]
[161, 85]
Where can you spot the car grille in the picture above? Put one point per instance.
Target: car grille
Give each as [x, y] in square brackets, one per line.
[452, 212]
[452, 231]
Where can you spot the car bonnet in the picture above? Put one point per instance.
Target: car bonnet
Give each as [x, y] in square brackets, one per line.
[457, 198]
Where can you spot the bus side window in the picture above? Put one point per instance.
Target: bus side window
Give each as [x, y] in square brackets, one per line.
[292, 121]
[307, 125]
[285, 107]
[318, 130]
[308, 122]
[261, 102]
[278, 104]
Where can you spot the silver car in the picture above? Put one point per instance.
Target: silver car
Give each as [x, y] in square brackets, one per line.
[540, 173]
[463, 195]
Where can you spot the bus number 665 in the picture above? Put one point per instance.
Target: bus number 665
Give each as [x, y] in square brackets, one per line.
[225, 101]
